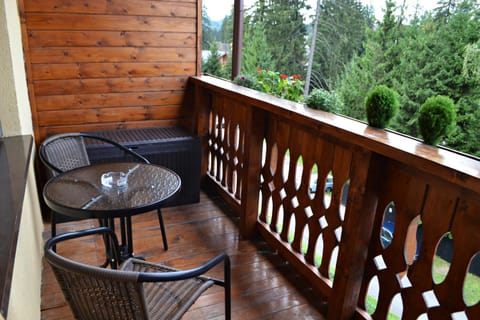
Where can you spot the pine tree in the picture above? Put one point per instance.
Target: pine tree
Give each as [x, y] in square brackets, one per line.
[423, 58]
[208, 35]
[212, 65]
[357, 79]
[340, 35]
[255, 53]
[226, 31]
[285, 33]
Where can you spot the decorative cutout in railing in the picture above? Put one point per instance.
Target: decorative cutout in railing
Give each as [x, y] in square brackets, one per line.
[226, 143]
[310, 220]
[404, 281]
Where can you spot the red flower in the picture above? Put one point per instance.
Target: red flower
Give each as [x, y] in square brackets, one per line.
[283, 76]
[297, 77]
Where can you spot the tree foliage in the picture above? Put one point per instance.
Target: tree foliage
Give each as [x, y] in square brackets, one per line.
[285, 33]
[212, 65]
[341, 34]
[430, 55]
[256, 53]
[208, 34]
[419, 56]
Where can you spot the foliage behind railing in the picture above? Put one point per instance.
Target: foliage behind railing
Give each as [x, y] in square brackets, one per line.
[265, 154]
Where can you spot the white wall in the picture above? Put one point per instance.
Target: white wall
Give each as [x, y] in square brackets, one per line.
[25, 293]
[15, 114]
[16, 119]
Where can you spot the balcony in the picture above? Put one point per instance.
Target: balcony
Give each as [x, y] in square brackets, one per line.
[296, 253]
[303, 254]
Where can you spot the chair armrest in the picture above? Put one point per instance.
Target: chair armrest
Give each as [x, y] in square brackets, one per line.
[105, 231]
[151, 272]
[81, 233]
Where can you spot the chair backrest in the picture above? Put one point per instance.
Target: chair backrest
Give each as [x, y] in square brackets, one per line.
[97, 293]
[64, 152]
[139, 290]
[67, 151]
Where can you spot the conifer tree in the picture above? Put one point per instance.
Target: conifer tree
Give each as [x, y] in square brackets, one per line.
[285, 33]
[212, 65]
[255, 53]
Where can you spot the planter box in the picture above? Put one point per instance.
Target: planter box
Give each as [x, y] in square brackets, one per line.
[171, 147]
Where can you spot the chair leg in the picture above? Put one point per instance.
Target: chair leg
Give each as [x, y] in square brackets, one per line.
[162, 228]
[53, 225]
[109, 250]
[228, 289]
[53, 228]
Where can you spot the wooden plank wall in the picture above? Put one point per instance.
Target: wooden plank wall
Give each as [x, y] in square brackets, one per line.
[106, 64]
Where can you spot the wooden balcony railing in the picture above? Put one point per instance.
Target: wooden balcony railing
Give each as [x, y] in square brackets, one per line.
[265, 154]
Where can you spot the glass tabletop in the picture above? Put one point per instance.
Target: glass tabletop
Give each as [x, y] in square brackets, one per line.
[111, 190]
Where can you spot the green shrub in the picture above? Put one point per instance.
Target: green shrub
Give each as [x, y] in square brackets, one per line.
[281, 85]
[321, 99]
[437, 119]
[247, 81]
[381, 106]
[274, 83]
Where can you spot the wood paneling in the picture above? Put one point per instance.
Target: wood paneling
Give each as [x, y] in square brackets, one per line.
[111, 70]
[109, 64]
[132, 7]
[108, 115]
[96, 86]
[61, 38]
[56, 21]
[110, 54]
[64, 102]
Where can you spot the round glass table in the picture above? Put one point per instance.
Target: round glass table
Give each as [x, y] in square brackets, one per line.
[111, 190]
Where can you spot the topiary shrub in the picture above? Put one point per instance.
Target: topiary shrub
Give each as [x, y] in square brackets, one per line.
[381, 106]
[436, 119]
[321, 99]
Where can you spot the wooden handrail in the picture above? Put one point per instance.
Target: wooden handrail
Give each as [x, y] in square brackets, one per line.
[455, 167]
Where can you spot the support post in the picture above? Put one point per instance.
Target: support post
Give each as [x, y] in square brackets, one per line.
[252, 170]
[358, 225]
[237, 38]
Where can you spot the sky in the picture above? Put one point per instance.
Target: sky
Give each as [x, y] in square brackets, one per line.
[218, 9]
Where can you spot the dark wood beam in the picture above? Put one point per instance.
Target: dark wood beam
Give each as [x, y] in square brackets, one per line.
[237, 38]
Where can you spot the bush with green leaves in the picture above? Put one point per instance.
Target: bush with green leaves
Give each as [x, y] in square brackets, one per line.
[247, 81]
[281, 85]
[322, 99]
[436, 119]
[274, 83]
[381, 106]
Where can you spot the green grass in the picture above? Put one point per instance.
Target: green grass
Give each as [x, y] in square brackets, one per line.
[371, 304]
[471, 289]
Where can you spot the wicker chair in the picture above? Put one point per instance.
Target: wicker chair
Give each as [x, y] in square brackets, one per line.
[63, 152]
[138, 290]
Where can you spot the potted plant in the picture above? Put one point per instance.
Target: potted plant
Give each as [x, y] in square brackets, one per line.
[323, 100]
[381, 106]
[436, 119]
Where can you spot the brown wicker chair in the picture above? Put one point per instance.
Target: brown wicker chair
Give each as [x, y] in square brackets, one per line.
[139, 290]
[63, 152]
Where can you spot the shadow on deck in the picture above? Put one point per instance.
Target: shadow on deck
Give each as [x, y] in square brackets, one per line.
[264, 286]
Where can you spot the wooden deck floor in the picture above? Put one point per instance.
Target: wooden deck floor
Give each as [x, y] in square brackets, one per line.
[264, 286]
